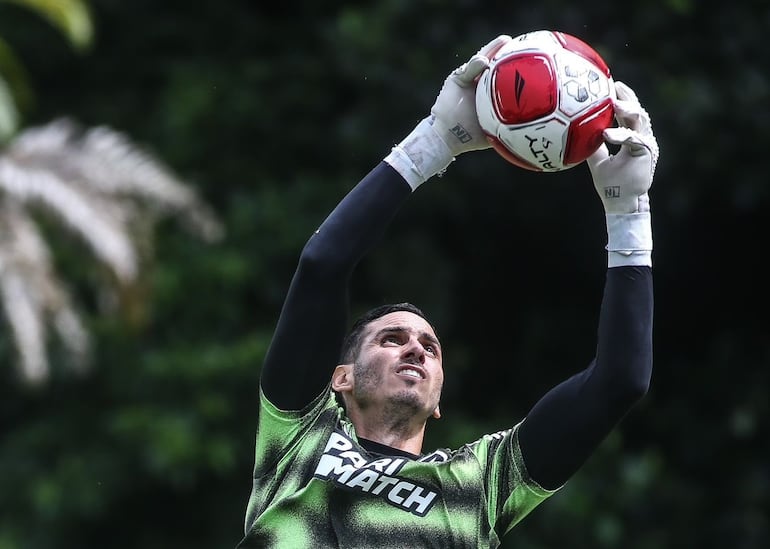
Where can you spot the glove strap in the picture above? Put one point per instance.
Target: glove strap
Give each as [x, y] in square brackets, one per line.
[421, 155]
[629, 239]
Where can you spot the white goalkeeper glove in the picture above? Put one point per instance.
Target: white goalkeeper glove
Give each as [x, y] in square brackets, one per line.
[452, 127]
[623, 179]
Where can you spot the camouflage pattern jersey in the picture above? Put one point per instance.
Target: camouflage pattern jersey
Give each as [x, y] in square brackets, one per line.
[315, 486]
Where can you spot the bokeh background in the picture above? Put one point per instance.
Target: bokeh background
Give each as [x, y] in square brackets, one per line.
[271, 111]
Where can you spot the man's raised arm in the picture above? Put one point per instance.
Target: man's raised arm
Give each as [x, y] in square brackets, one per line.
[306, 344]
[571, 420]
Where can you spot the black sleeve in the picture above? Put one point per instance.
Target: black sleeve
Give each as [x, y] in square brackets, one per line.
[308, 337]
[572, 419]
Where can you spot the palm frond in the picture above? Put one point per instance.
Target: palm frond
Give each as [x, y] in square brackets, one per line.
[101, 225]
[101, 187]
[31, 295]
[108, 163]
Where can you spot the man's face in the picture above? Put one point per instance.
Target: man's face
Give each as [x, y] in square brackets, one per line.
[399, 367]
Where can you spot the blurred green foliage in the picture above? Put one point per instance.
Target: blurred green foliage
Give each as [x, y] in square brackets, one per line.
[273, 111]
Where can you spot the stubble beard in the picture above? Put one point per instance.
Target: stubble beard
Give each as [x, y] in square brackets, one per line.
[400, 408]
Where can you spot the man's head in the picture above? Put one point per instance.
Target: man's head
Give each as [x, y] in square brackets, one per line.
[391, 363]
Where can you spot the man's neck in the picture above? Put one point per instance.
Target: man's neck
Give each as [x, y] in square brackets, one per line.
[400, 435]
[374, 447]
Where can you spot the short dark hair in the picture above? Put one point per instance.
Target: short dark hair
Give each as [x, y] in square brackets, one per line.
[351, 346]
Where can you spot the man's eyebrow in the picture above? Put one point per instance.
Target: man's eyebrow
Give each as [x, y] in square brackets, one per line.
[390, 330]
[400, 329]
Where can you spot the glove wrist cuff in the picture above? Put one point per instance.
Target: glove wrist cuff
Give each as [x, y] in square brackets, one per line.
[421, 155]
[629, 239]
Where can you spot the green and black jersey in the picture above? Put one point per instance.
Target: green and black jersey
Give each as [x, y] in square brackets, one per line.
[315, 486]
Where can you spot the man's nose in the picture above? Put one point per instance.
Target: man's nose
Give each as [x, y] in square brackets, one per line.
[414, 350]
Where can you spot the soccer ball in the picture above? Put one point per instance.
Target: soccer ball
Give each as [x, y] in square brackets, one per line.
[545, 100]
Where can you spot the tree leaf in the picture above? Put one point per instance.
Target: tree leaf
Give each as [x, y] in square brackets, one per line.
[71, 17]
[9, 115]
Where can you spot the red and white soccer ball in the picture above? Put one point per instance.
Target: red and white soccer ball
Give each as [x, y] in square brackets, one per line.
[545, 100]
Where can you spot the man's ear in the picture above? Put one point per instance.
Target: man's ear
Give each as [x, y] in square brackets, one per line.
[342, 378]
[437, 412]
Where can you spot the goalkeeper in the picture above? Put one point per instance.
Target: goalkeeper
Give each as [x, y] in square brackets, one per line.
[339, 458]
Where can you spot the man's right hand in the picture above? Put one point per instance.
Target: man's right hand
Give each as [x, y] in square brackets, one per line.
[453, 115]
[451, 129]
